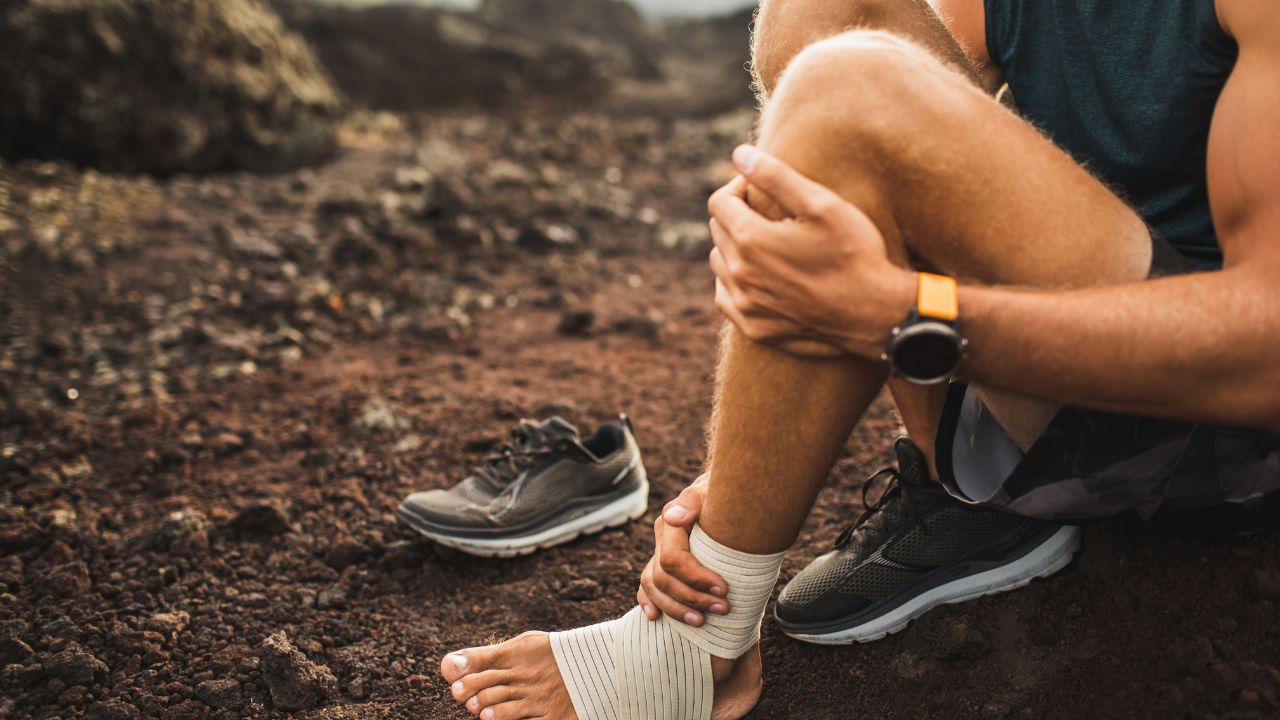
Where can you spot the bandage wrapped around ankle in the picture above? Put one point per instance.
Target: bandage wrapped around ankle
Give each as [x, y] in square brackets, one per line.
[634, 669]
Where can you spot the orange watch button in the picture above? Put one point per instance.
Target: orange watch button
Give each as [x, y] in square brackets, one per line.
[938, 297]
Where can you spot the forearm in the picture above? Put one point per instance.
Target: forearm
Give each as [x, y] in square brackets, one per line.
[1202, 347]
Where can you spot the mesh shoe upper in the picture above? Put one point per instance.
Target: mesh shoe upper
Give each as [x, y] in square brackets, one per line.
[913, 529]
[545, 467]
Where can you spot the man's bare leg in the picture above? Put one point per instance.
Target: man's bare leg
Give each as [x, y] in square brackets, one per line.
[946, 172]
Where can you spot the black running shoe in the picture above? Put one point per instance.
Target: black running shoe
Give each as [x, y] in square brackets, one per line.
[913, 549]
[547, 486]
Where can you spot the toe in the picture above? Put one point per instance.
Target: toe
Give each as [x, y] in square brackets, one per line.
[517, 710]
[468, 685]
[495, 695]
[461, 662]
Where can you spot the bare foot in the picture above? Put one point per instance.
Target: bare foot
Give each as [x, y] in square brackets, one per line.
[519, 679]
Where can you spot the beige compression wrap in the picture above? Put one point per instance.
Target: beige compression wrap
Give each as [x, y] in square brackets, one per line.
[634, 669]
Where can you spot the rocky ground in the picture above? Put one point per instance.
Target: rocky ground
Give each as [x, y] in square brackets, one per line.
[216, 389]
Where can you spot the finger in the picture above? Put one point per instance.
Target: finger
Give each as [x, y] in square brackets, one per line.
[724, 302]
[724, 242]
[646, 605]
[674, 559]
[666, 586]
[685, 509]
[676, 610]
[728, 206]
[795, 192]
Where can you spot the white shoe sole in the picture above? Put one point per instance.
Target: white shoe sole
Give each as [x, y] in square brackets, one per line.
[1048, 558]
[616, 514]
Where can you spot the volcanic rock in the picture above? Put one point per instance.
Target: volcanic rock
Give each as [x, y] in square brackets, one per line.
[161, 86]
[261, 519]
[74, 666]
[402, 57]
[223, 693]
[295, 682]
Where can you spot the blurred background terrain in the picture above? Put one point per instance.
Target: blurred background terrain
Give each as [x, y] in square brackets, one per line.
[267, 267]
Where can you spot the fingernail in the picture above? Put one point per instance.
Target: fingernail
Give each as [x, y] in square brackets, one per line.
[745, 158]
[677, 514]
[459, 661]
[717, 590]
[648, 611]
[457, 688]
[691, 618]
[717, 608]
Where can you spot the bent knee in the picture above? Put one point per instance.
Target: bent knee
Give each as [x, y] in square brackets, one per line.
[870, 85]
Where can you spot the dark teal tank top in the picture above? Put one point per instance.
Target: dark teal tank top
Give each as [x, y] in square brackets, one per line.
[1128, 88]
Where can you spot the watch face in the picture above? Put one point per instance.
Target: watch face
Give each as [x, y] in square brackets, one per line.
[928, 352]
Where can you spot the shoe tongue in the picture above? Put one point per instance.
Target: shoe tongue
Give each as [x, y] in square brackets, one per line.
[557, 425]
[912, 466]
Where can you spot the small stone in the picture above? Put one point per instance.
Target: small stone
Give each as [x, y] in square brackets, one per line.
[407, 444]
[226, 443]
[332, 598]
[576, 322]
[377, 415]
[223, 693]
[957, 640]
[358, 688]
[261, 519]
[69, 580]
[13, 650]
[112, 710]
[295, 683]
[169, 623]
[184, 531]
[74, 666]
[581, 589]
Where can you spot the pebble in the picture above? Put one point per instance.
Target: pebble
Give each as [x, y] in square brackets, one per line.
[581, 589]
[224, 693]
[332, 598]
[576, 322]
[263, 519]
[295, 682]
[74, 666]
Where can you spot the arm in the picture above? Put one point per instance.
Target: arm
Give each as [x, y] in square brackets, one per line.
[1213, 336]
[1203, 347]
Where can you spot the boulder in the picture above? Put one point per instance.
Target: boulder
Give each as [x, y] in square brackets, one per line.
[161, 86]
[406, 57]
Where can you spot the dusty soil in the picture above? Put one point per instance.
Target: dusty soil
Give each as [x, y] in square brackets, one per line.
[216, 390]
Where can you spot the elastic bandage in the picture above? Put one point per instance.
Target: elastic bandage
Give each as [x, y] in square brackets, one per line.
[632, 668]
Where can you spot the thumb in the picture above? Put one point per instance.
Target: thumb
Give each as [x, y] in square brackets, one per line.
[684, 510]
[798, 194]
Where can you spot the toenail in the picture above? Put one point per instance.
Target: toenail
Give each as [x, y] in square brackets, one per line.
[459, 661]
[457, 688]
[691, 618]
[487, 714]
[474, 702]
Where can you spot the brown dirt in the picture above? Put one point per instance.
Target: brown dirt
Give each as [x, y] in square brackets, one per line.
[285, 454]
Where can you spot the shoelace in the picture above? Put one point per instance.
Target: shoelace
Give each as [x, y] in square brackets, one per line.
[529, 441]
[895, 487]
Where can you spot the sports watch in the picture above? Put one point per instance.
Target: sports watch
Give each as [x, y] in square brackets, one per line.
[927, 348]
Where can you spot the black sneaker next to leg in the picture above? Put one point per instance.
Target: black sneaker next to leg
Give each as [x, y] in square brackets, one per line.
[546, 487]
[915, 548]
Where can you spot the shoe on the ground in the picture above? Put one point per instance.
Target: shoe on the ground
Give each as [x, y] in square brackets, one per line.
[547, 486]
[913, 549]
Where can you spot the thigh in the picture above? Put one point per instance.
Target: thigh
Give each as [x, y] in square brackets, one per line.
[957, 182]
